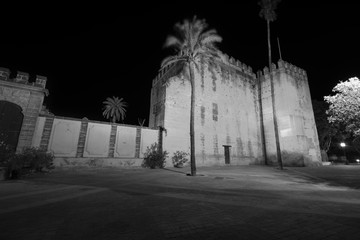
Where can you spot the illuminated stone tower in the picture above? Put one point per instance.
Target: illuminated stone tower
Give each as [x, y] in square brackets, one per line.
[227, 112]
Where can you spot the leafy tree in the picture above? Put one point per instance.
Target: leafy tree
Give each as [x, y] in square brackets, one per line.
[344, 109]
[114, 109]
[326, 131]
[267, 12]
[192, 43]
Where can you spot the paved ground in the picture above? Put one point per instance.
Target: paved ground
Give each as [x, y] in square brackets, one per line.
[241, 202]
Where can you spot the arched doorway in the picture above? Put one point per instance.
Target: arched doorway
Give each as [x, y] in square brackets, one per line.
[11, 119]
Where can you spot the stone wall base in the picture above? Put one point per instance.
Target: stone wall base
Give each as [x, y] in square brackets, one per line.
[97, 162]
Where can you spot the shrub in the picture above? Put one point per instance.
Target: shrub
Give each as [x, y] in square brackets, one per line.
[179, 158]
[154, 158]
[6, 153]
[29, 160]
[36, 159]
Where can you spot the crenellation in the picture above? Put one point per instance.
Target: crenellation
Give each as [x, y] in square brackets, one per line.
[232, 61]
[273, 66]
[286, 67]
[292, 70]
[41, 81]
[226, 58]
[22, 77]
[4, 74]
[249, 70]
[266, 70]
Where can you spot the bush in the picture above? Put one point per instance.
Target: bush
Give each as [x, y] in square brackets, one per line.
[154, 158]
[29, 160]
[36, 159]
[179, 158]
[6, 153]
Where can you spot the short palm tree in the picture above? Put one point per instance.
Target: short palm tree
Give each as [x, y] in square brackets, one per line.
[268, 13]
[114, 109]
[192, 43]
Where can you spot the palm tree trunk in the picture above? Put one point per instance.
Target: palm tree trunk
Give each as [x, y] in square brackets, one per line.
[192, 130]
[278, 150]
[263, 143]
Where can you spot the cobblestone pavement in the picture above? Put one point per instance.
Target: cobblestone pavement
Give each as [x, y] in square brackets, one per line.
[237, 202]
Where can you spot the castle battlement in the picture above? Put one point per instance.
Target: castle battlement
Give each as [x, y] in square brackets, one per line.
[162, 72]
[223, 58]
[284, 66]
[238, 65]
[23, 78]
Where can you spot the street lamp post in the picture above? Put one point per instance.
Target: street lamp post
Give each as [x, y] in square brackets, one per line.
[343, 145]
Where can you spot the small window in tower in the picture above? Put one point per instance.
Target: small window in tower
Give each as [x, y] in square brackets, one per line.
[202, 115]
[215, 112]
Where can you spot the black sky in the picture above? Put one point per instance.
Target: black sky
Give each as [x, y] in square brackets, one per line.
[93, 51]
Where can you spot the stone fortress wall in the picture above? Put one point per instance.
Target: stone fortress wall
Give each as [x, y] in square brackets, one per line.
[227, 112]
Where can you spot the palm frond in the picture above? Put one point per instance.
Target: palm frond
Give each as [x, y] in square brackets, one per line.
[194, 42]
[172, 41]
[268, 8]
[171, 60]
[211, 39]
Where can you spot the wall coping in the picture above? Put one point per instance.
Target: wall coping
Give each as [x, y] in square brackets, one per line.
[93, 121]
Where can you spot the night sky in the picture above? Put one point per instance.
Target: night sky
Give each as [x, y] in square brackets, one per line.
[92, 52]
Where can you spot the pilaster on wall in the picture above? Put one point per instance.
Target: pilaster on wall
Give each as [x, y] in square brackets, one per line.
[29, 122]
[82, 138]
[45, 138]
[112, 141]
[138, 141]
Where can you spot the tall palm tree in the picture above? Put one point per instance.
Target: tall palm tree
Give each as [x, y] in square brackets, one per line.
[114, 109]
[192, 43]
[267, 12]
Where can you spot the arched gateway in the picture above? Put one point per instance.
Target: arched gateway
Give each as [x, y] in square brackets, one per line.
[20, 105]
[11, 119]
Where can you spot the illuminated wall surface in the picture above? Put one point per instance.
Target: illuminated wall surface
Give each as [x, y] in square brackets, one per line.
[227, 112]
[74, 139]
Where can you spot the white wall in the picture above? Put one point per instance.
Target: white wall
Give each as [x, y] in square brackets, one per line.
[64, 137]
[97, 140]
[148, 137]
[125, 143]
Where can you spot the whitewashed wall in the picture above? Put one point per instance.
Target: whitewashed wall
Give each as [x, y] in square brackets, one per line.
[64, 137]
[97, 140]
[148, 137]
[125, 144]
